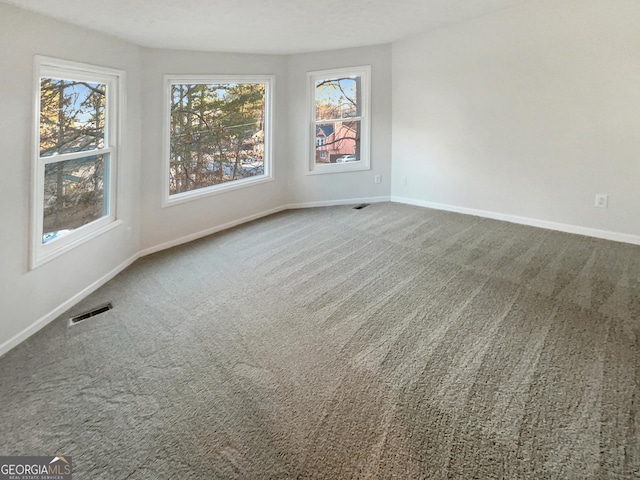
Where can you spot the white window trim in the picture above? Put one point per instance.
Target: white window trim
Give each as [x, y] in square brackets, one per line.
[364, 72]
[115, 79]
[270, 85]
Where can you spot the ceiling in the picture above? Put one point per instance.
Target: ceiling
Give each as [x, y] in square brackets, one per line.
[262, 26]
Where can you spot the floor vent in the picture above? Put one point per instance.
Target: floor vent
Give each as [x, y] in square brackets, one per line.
[361, 206]
[90, 313]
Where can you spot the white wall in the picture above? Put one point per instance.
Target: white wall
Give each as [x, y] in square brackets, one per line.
[167, 226]
[527, 112]
[28, 297]
[305, 188]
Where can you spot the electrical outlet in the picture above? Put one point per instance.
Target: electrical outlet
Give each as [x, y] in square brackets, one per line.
[404, 180]
[602, 200]
[377, 179]
[129, 233]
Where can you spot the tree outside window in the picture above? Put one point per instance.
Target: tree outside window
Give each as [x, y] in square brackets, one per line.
[218, 134]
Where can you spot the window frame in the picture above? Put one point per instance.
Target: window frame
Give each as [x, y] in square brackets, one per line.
[364, 72]
[269, 104]
[48, 67]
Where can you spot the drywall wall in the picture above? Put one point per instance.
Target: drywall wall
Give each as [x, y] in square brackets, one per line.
[528, 112]
[29, 298]
[173, 224]
[304, 188]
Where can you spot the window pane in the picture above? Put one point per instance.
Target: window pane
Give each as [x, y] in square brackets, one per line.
[217, 134]
[338, 98]
[338, 142]
[73, 195]
[72, 116]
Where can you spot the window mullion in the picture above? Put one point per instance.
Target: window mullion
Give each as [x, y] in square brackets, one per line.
[63, 157]
[337, 120]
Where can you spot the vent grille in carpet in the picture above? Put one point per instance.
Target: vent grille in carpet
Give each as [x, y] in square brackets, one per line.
[90, 313]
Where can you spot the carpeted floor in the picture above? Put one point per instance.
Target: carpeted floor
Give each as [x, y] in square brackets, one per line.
[332, 343]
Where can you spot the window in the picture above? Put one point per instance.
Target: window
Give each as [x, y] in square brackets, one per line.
[339, 120]
[76, 150]
[218, 134]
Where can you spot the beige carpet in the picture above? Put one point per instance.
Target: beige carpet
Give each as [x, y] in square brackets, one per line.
[332, 343]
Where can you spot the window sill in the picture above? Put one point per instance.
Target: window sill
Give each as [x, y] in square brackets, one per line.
[184, 197]
[72, 241]
[339, 168]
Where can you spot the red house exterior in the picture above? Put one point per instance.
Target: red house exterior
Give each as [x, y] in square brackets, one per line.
[333, 141]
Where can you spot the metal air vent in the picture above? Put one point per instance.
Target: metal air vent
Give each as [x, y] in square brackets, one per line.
[91, 313]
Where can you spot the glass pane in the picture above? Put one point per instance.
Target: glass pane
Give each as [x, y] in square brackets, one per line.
[338, 98]
[338, 142]
[72, 116]
[217, 134]
[73, 195]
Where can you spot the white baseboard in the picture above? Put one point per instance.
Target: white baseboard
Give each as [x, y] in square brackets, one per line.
[209, 231]
[60, 309]
[533, 222]
[335, 203]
